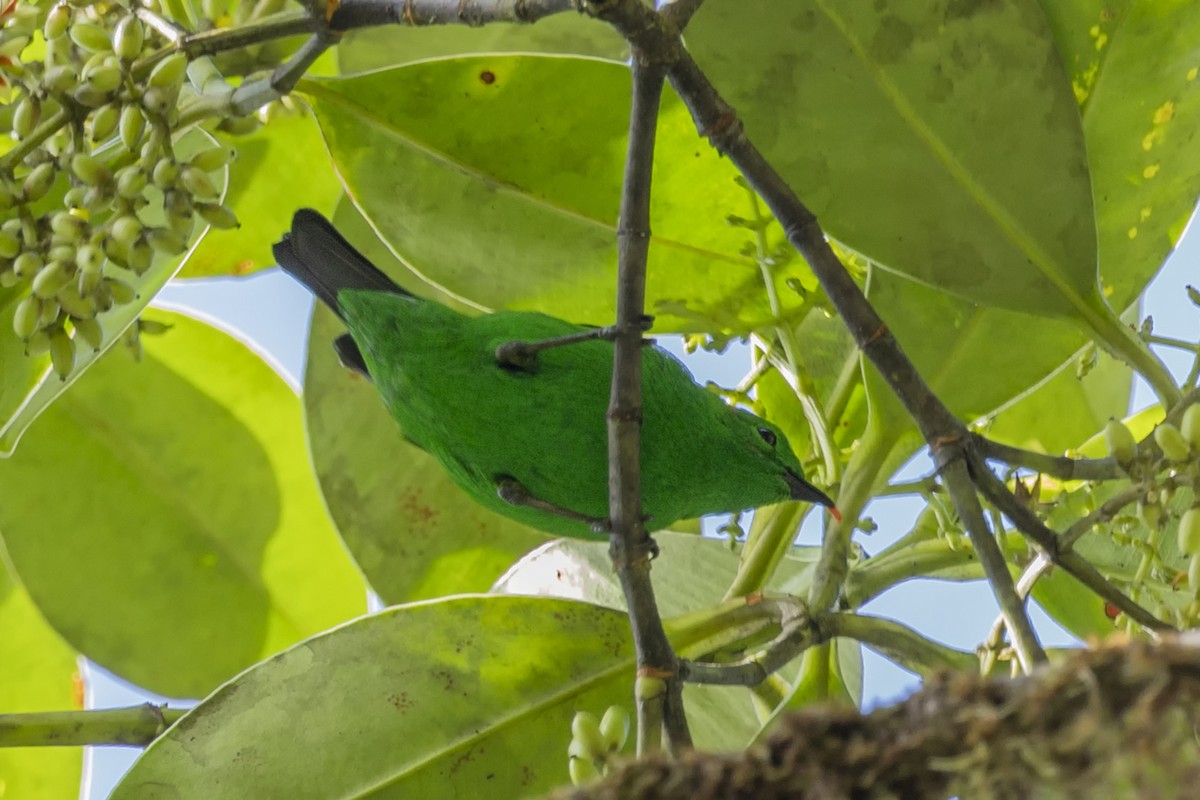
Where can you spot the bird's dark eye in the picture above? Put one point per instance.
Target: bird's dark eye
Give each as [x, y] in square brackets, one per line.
[768, 436]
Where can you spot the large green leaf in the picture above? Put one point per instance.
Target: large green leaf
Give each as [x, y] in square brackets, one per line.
[431, 700]
[471, 175]
[941, 139]
[37, 673]
[280, 167]
[367, 49]
[1134, 66]
[413, 532]
[27, 387]
[164, 518]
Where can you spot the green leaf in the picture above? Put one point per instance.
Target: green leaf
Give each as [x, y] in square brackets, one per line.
[431, 700]
[369, 49]
[175, 496]
[1066, 409]
[27, 387]
[37, 673]
[413, 532]
[1134, 67]
[279, 168]
[941, 140]
[475, 180]
[951, 342]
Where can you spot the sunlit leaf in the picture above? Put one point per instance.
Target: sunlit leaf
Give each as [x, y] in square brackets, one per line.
[431, 700]
[941, 140]
[506, 205]
[37, 673]
[164, 517]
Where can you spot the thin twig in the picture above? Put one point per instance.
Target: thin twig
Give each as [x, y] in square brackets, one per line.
[797, 634]
[136, 726]
[995, 566]
[1031, 527]
[1068, 469]
[629, 544]
[367, 13]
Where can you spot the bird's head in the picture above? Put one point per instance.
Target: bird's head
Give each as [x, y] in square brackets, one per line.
[767, 444]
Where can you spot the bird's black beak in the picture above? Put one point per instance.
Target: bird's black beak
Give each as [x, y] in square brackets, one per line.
[803, 490]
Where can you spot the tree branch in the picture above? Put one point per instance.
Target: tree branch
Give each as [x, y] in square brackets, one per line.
[629, 544]
[136, 726]
[366, 13]
[995, 566]
[1031, 527]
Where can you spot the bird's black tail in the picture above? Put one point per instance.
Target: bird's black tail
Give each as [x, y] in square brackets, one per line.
[315, 254]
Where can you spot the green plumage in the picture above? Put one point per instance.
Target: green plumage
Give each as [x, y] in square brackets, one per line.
[437, 372]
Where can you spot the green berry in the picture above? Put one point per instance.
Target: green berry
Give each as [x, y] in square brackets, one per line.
[14, 45]
[217, 215]
[67, 226]
[89, 97]
[26, 316]
[38, 344]
[105, 79]
[27, 116]
[1194, 574]
[92, 38]
[89, 170]
[1189, 532]
[132, 126]
[614, 727]
[104, 122]
[124, 230]
[52, 278]
[585, 729]
[57, 21]
[582, 770]
[122, 292]
[50, 312]
[212, 159]
[198, 183]
[1173, 445]
[141, 256]
[166, 173]
[10, 246]
[131, 181]
[27, 264]
[182, 224]
[75, 304]
[62, 354]
[37, 182]
[166, 241]
[90, 332]
[61, 252]
[1190, 426]
[128, 38]
[157, 100]
[1121, 443]
[169, 72]
[153, 327]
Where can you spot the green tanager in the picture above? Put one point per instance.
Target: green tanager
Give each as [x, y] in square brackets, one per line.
[529, 440]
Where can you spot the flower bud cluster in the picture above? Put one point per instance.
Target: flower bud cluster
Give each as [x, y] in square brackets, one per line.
[93, 194]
